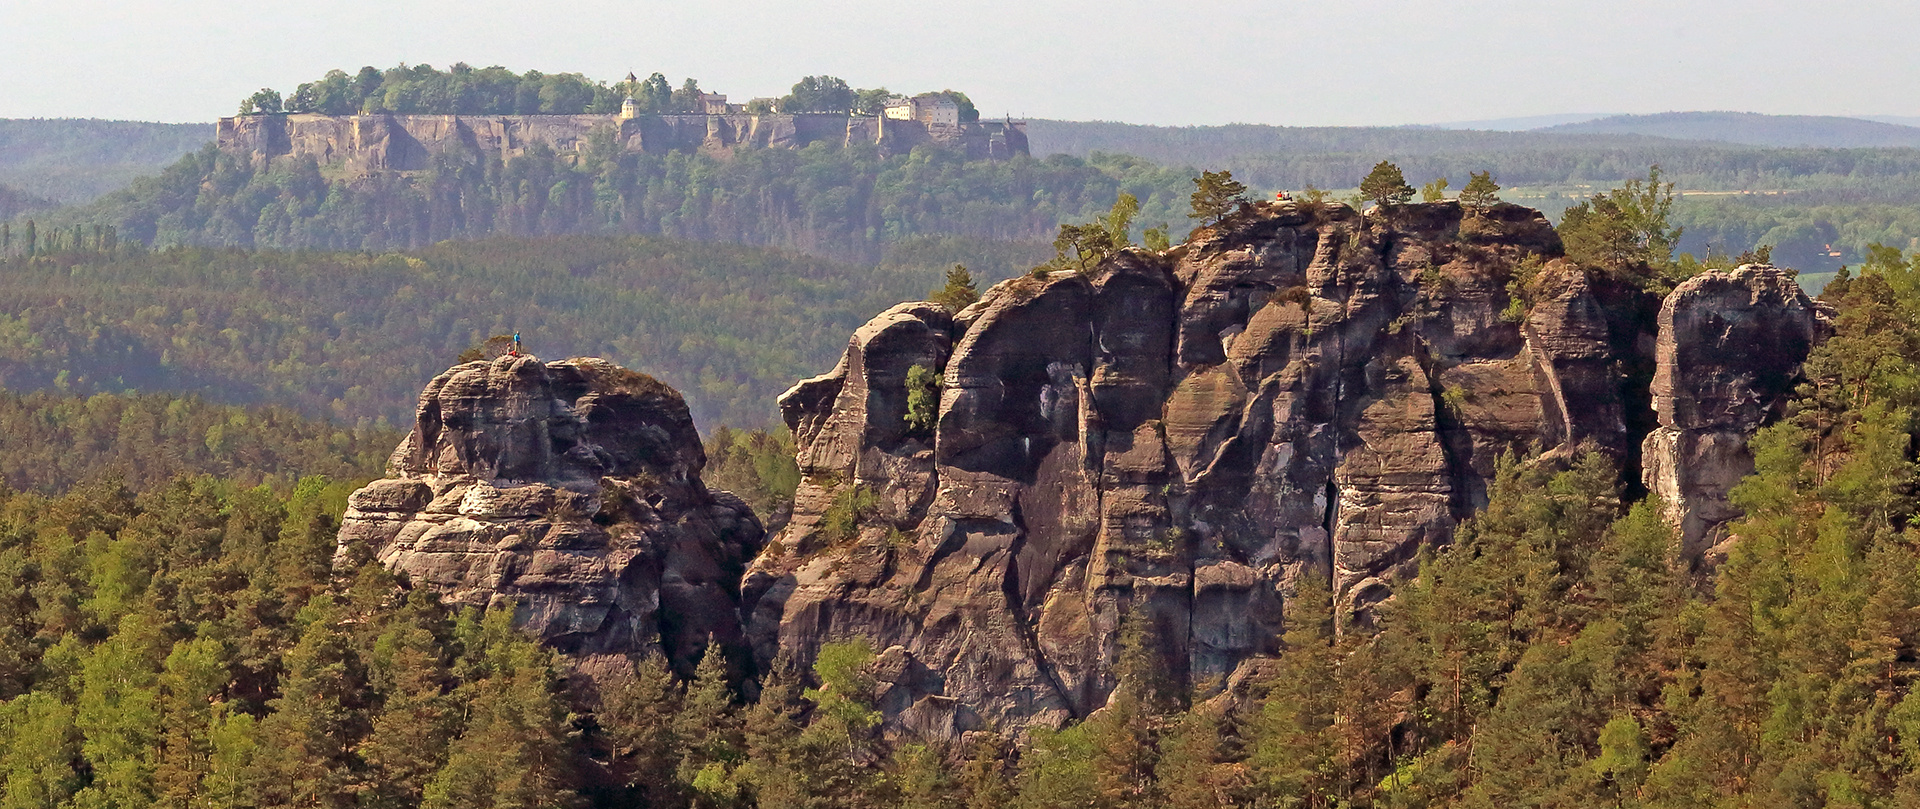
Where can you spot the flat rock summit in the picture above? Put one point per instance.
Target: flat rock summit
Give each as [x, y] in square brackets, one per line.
[1178, 439]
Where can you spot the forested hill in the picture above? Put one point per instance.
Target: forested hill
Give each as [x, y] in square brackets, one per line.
[1750, 128]
[75, 160]
[846, 203]
[1212, 145]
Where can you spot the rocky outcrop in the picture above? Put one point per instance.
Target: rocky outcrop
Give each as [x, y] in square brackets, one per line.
[1731, 346]
[1173, 441]
[1178, 438]
[572, 491]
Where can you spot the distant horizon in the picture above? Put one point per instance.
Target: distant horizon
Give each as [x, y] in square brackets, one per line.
[1510, 124]
[1366, 63]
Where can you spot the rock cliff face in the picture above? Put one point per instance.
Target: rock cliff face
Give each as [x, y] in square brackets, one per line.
[1178, 438]
[1731, 346]
[367, 144]
[571, 489]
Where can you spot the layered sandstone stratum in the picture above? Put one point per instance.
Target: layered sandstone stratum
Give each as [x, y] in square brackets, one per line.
[1176, 438]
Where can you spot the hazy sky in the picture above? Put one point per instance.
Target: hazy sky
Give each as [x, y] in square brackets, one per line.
[1299, 62]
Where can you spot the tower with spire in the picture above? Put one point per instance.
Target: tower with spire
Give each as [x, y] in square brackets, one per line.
[630, 108]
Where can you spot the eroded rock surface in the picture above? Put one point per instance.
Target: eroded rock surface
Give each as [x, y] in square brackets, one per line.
[1178, 438]
[571, 489]
[1731, 346]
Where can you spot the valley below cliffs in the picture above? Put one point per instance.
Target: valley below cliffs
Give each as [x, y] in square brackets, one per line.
[1171, 444]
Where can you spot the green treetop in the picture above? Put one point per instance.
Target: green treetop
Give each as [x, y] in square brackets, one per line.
[1481, 191]
[1216, 195]
[1385, 185]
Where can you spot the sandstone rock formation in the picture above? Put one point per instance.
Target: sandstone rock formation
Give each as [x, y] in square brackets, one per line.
[572, 490]
[1177, 438]
[1731, 346]
[1174, 441]
[367, 144]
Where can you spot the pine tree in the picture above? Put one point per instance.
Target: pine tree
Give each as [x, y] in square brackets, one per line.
[772, 731]
[639, 718]
[1124, 734]
[1193, 771]
[983, 780]
[1216, 196]
[1481, 191]
[1293, 756]
[190, 688]
[514, 750]
[1385, 185]
[959, 291]
[316, 720]
[922, 779]
[709, 729]
[408, 736]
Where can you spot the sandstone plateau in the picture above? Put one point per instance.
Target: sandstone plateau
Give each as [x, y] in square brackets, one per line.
[1176, 438]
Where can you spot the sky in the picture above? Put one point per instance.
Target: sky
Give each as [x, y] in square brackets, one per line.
[1287, 62]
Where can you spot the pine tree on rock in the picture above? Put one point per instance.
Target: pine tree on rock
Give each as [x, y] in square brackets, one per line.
[1481, 191]
[1385, 185]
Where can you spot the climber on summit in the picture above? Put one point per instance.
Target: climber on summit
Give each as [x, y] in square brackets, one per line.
[515, 350]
